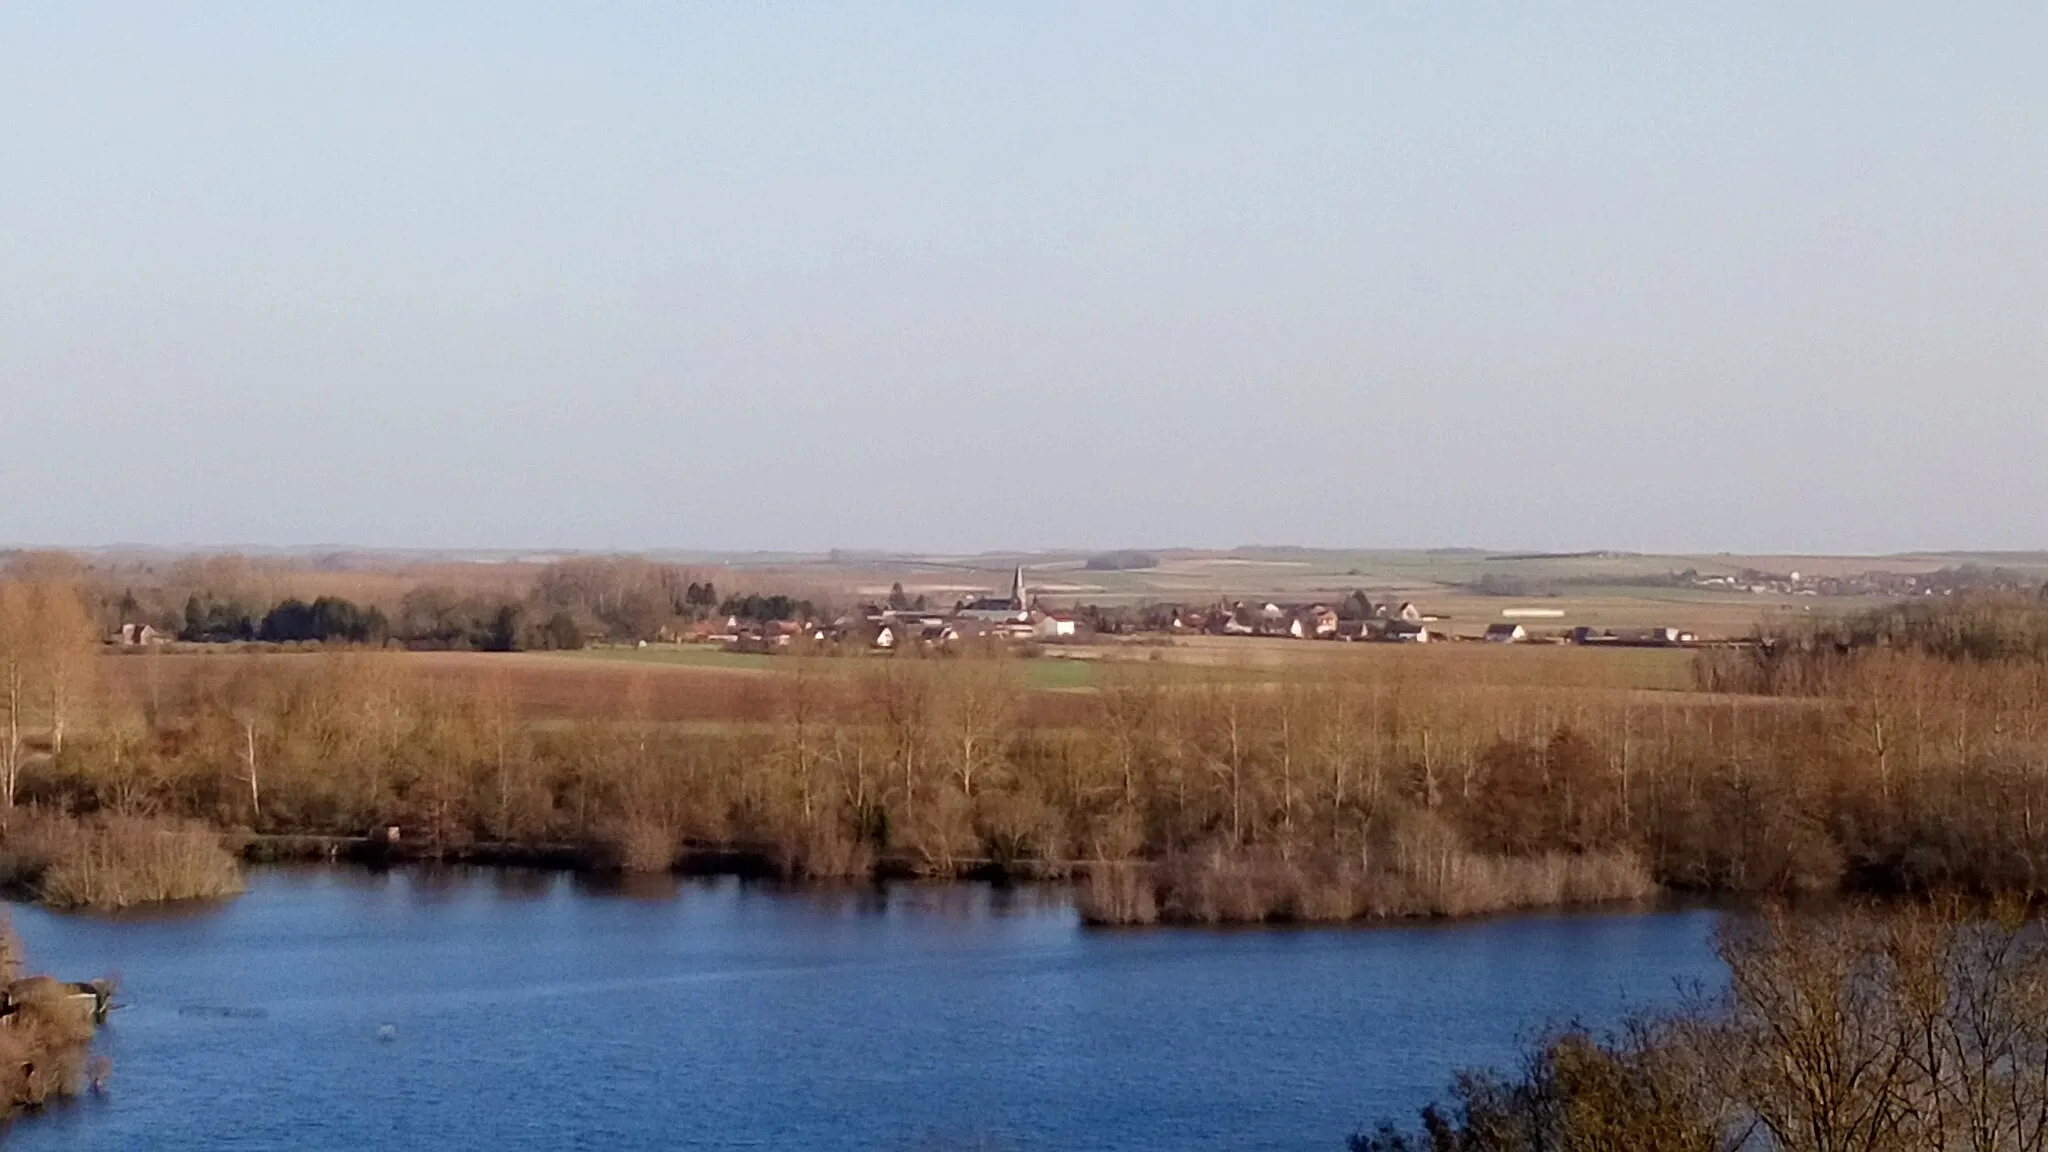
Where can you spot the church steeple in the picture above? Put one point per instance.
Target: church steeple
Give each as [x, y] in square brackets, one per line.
[1017, 590]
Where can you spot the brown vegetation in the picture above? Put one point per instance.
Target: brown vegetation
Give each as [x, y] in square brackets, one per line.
[1423, 871]
[46, 1034]
[1916, 1029]
[642, 845]
[1388, 785]
[111, 861]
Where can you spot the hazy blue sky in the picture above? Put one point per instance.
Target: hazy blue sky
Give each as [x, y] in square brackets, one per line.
[964, 276]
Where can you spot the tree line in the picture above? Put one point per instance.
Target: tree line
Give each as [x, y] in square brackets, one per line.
[560, 606]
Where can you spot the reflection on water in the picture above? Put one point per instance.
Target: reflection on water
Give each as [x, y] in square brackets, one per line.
[342, 1008]
[519, 883]
[629, 886]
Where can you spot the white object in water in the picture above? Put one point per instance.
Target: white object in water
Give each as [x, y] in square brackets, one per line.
[387, 1033]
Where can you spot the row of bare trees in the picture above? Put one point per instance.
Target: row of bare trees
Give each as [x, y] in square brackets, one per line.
[47, 643]
[1925, 774]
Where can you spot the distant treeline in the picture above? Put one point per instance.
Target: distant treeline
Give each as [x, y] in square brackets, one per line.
[1814, 657]
[1125, 561]
[431, 618]
[565, 605]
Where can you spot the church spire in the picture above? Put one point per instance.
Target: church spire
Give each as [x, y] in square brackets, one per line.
[1017, 590]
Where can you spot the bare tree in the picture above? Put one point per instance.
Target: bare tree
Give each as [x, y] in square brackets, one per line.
[17, 659]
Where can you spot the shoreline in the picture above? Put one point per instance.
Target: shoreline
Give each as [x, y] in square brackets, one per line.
[586, 865]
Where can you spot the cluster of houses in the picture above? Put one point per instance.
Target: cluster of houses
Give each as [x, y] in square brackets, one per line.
[1641, 638]
[139, 636]
[888, 628]
[1016, 617]
[1400, 624]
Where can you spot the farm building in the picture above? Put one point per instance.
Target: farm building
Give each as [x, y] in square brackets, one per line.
[1506, 633]
[1056, 626]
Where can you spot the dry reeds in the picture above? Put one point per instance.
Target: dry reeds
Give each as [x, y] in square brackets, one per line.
[825, 851]
[1120, 893]
[643, 846]
[1219, 887]
[113, 862]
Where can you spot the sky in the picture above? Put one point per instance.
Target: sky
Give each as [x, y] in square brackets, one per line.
[953, 277]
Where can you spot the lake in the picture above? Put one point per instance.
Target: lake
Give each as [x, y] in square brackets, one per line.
[346, 1009]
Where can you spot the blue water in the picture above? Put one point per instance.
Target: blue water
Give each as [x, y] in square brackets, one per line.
[340, 1009]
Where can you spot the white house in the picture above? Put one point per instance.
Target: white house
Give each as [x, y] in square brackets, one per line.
[1056, 626]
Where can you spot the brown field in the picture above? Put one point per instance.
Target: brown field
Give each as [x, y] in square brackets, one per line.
[623, 684]
[1500, 665]
[539, 686]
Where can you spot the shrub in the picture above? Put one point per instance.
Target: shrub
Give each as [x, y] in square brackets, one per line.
[1915, 1027]
[824, 850]
[1118, 894]
[45, 1035]
[110, 862]
[643, 846]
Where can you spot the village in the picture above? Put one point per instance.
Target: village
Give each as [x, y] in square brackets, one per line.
[1020, 617]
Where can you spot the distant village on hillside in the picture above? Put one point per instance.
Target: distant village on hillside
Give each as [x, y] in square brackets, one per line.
[902, 624]
[143, 604]
[1018, 616]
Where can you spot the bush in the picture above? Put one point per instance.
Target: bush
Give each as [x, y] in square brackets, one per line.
[824, 850]
[642, 846]
[113, 862]
[1118, 894]
[1921, 1027]
[45, 1034]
